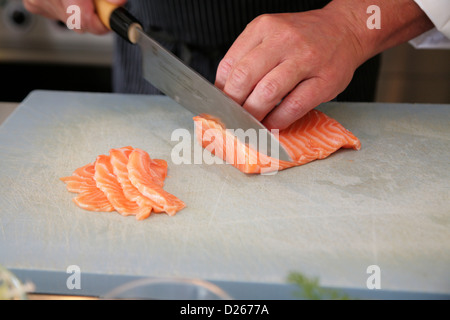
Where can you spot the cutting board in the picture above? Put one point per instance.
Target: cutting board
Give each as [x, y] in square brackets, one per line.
[385, 205]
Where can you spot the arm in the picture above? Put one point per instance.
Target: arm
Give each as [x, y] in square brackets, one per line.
[402, 20]
[439, 37]
[57, 9]
[284, 65]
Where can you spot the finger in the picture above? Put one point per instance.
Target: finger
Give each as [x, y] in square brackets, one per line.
[47, 9]
[90, 21]
[118, 2]
[272, 88]
[246, 41]
[305, 97]
[93, 22]
[249, 71]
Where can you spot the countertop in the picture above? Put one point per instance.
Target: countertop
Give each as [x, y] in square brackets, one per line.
[385, 205]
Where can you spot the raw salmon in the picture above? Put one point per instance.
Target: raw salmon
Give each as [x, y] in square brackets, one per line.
[90, 197]
[105, 184]
[148, 179]
[314, 136]
[81, 180]
[108, 183]
[119, 161]
[93, 200]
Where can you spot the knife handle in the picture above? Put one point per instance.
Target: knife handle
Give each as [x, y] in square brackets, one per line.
[118, 19]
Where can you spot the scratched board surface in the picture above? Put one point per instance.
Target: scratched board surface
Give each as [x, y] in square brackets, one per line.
[385, 205]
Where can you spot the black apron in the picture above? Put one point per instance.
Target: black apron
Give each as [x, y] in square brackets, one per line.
[200, 33]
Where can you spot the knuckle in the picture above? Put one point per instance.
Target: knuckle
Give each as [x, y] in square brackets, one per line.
[240, 76]
[263, 18]
[262, 21]
[293, 107]
[225, 67]
[269, 90]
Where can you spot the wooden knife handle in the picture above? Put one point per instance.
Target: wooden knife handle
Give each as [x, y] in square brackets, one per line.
[118, 19]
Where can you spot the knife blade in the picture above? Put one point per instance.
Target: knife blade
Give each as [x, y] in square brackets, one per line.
[174, 78]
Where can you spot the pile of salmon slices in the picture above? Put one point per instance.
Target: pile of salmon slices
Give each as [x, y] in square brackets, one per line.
[127, 181]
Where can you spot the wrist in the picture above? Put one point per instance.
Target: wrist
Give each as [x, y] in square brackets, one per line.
[399, 22]
[347, 26]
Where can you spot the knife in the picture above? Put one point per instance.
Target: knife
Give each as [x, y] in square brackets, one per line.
[178, 81]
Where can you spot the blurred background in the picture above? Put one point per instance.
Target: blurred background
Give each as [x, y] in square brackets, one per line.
[36, 53]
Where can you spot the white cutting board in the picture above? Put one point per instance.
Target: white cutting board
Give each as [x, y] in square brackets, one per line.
[385, 205]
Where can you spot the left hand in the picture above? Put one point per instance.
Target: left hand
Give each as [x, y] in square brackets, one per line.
[284, 65]
[57, 9]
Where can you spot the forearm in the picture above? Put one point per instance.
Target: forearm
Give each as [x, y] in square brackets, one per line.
[400, 21]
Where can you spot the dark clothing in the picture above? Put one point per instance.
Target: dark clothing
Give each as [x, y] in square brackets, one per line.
[200, 32]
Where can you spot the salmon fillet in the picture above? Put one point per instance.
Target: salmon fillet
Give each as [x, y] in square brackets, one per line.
[314, 136]
[148, 179]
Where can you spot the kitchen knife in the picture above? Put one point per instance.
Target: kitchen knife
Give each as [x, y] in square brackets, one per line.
[178, 81]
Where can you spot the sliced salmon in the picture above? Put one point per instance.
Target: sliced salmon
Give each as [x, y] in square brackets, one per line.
[90, 197]
[106, 185]
[314, 136]
[93, 200]
[119, 161]
[107, 182]
[148, 178]
[81, 179]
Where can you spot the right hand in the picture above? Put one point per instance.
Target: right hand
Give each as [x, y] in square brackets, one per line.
[57, 9]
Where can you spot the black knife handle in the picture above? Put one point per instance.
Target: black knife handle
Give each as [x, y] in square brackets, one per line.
[118, 19]
[124, 24]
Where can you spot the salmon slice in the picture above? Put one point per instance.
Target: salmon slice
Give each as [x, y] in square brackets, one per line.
[93, 200]
[82, 179]
[90, 197]
[148, 177]
[107, 182]
[314, 136]
[119, 161]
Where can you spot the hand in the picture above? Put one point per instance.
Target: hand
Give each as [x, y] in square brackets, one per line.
[300, 59]
[57, 9]
[284, 65]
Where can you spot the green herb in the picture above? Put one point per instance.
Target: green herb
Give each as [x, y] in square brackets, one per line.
[310, 289]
